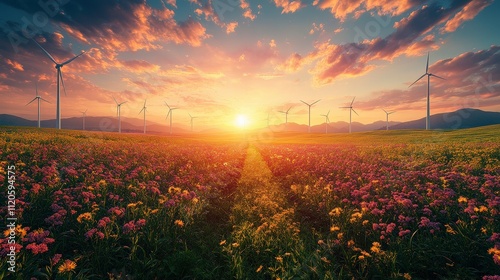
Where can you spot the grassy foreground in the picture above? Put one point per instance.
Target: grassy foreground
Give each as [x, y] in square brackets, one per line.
[260, 205]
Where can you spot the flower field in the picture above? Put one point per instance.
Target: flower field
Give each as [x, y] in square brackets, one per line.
[107, 206]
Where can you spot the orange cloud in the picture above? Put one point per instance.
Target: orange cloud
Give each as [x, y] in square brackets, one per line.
[289, 6]
[341, 9]
[247, 11]
[15, 65]
[469, 12]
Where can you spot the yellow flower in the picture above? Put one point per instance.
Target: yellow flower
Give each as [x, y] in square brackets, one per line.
[350, 243]
[325, 260]
[376, 248]
[235, 245]
[154, 211]
[279, 259]
[84, 217]
[195, 200]
[449, 229]
[335, 212]
[259, 269]
[407, 276]
[462, 199]
[131, 205]
[179, 223]
[67, 266]
[222, 242]
[355, 217]
[334, 228]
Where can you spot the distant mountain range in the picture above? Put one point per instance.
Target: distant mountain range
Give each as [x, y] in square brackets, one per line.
[463, 118]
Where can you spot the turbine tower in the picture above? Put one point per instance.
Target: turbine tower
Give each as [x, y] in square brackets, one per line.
[350, 113]
[309, 127]
[84, 114]
[286, 114]
[39, 98]
[118, 113]
[327, 120]
[144, 109]
[59, 77]
[170, 112]
[191, 121]
[387, 118]
[428, 118]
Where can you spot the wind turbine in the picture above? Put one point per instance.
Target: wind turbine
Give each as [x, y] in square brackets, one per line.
[286, 114]
[144, 109]
[350, 113]
[428, 118]
[170, 112]
[387, 118]
[267, 119]
[309, 127]
[327, 120]
[118, 113]
[59, 76]
[84, 113]
[39, 98]
[191, 121]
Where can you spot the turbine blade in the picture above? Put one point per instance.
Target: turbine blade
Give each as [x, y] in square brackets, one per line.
[417, 80]
[282, 112]
[437, 76]
[141, 110]
[168, 114]
[304, 103]
[36, 87]
[385, 111]
[117, 108]
[31, 101]
[62, 81]
[289, 109]
[353, 100]
[115, 100]
[44, 99]
[316, 102]
[46, 52]
[71, 59]
[122, 103]
[427, 65]
[345, 107]
[328, 113]
[145, 103]
[354, 111]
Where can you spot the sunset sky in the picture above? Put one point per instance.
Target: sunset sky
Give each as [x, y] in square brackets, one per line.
[221, 58]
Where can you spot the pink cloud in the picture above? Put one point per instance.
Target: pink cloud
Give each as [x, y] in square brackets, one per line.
[247, 11]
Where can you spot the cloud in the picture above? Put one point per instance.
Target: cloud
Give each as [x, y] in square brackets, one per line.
[289, 6]
[411, 37]
[472, 79]
[469, 12]
[341, 9]
[247, 11]
[121, 26]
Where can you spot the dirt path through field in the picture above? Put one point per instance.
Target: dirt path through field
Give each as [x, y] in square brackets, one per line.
[265, 239]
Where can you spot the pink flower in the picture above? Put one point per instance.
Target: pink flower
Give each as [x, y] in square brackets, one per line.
[37, 248]
[55, 259]
[103, 222]
[128, 227]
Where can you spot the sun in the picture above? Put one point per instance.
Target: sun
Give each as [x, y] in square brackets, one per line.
[241, 121]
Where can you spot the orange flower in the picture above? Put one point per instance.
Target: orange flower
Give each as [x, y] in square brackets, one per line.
[67, 266]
